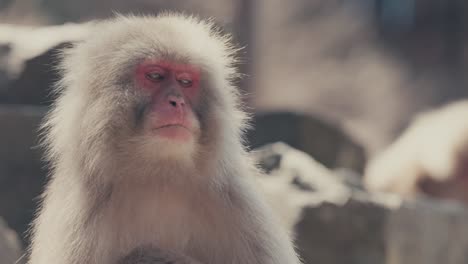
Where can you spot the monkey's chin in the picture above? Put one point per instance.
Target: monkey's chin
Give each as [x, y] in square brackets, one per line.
[174, 132]
[174, 143]
[162, 151]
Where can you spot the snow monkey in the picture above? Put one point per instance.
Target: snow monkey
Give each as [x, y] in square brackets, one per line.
[430, 157]
[146, 153]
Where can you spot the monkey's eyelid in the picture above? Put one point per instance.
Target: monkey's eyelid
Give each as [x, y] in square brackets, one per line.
[185, 82]
[156, 76]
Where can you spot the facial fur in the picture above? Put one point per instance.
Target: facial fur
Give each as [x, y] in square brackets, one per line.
[115, 114]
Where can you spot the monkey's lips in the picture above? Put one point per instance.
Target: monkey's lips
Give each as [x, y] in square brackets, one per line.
[177, 132]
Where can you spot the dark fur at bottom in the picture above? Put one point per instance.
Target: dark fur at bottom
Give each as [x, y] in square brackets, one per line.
[151, 255]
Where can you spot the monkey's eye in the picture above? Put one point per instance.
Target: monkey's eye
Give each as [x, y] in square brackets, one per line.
[185, 82]
[155, 76]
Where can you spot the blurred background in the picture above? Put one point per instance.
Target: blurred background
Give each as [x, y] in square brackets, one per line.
[339, 80]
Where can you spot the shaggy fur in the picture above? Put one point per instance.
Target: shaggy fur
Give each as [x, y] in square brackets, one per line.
[113, 189]
[434, 147]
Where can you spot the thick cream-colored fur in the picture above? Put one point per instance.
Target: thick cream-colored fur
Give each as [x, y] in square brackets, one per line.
[433, 146]
[112, 191]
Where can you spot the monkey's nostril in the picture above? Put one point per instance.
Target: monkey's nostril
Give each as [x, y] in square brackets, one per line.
[176, 101]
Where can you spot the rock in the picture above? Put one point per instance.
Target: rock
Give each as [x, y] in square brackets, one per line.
[325, 142]
[22, 174]
[28, 60]
[428, 231]
[33, 85]
[10, 247]
[335, 221]
[332, 221]
[351, 233]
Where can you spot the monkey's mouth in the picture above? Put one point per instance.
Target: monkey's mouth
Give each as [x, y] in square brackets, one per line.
[172, 125]
[173, 131]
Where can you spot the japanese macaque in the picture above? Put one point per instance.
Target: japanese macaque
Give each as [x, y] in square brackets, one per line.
[145, 146]
[431, 157]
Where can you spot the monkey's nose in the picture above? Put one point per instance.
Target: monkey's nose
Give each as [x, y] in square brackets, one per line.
[176, 101]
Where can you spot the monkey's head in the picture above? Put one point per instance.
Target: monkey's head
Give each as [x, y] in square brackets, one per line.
[142, 91]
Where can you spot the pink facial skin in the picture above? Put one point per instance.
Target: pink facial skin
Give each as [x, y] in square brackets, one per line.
[174, 90]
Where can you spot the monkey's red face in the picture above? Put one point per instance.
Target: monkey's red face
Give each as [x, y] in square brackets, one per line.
[174, 90]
